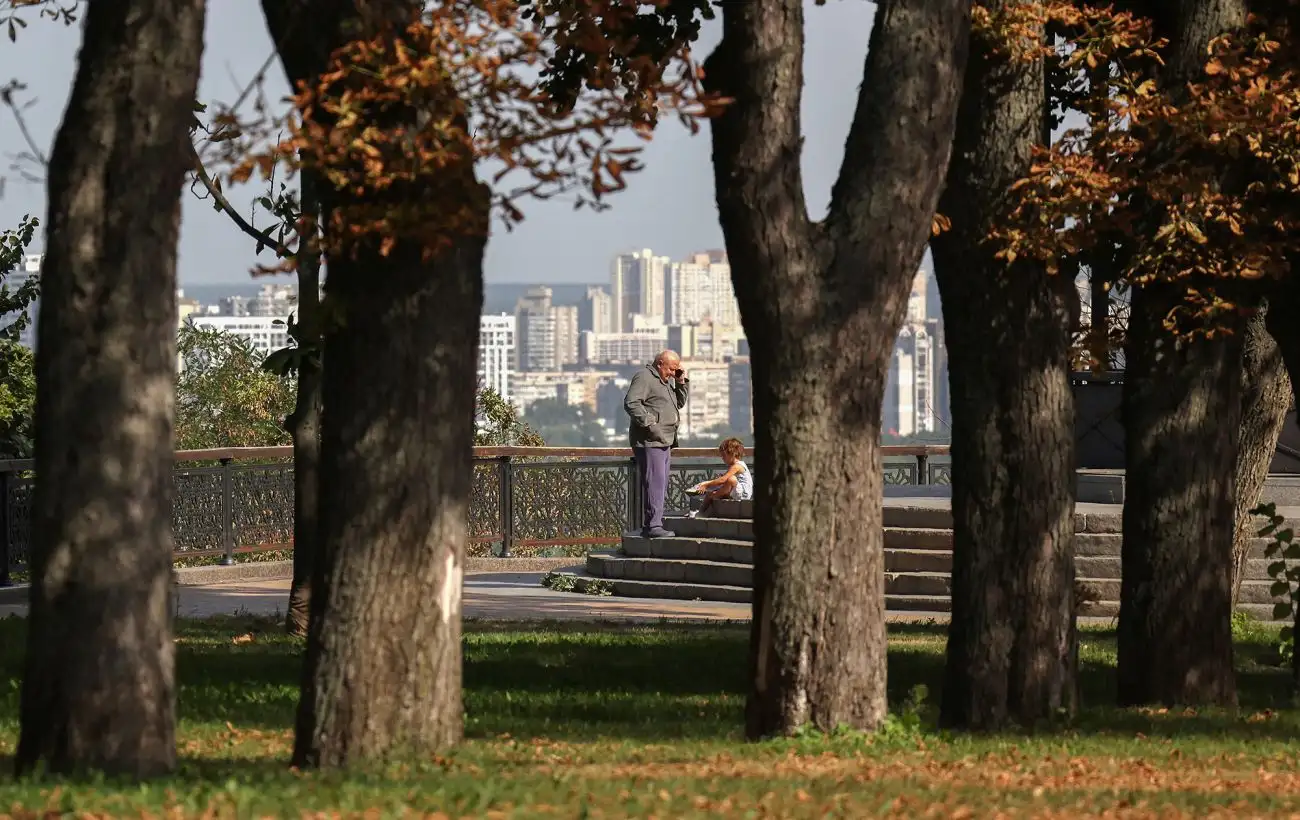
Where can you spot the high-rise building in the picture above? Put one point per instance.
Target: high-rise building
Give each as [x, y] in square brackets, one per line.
[740, 397]
[546, 335]
[637, 287]
[496, 353]
[566, 334]
[911, 392]
[635, 347]
[595, 312]
[708, 404]
[700, 289]
[265, 334]
[918, 299]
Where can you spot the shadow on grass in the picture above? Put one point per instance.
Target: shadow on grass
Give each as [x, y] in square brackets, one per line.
[576, 682]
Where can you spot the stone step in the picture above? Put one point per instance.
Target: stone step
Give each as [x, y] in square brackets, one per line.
[918, 583]
[918, 603]
[894, 601]
[918, 560]
[732, 509]
[913, 516]
[916, 517]
[735, 529]
[713, 573]
[706, 549]
[1108, 567]
[918, 538]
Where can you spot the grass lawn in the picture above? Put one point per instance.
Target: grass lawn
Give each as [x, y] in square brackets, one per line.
[600, 721]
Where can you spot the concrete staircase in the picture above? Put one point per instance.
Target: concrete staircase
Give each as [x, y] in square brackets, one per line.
[710, 559]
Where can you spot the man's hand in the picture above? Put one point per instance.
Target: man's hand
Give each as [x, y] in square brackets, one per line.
[681, 376]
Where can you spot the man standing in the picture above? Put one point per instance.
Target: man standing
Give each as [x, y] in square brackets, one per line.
[653, 400]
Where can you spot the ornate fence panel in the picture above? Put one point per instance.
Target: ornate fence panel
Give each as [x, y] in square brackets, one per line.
[523, 501]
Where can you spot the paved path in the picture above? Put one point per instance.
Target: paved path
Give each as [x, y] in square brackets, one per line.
[510, 596]
[494, 596]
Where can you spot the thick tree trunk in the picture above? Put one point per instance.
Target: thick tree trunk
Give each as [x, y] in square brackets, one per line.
[1266, 398]
[1010, 653]
[383, 655]
[304, 423]
[822, 304]
[1182, 411]
[99, 685]
[382, 674]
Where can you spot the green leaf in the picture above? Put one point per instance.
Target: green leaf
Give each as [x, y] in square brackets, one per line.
[1277, 568]
[1279, 588]
[1286, 535]
[281, 362]
[1285, 633]
[1281, 609]
[1292, 552]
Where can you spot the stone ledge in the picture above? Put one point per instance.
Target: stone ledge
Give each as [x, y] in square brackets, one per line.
[249, 571]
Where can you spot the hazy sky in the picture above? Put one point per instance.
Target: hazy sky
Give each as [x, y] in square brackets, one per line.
[669, 206]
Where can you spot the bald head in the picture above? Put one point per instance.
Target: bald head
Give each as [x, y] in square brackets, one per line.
[667, 363]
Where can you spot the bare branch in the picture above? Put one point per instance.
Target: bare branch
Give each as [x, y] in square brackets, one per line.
[264, 238]
[7, 94]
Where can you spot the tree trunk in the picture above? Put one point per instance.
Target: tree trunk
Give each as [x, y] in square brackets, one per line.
[1010, 654]
[382, 675]
[383, 654]
[822, 304]
[99, 685]
[304, 423]
[1284, 305]
[1266, 398]
[1182, 412]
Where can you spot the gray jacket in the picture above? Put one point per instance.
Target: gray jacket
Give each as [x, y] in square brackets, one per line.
[653, 404]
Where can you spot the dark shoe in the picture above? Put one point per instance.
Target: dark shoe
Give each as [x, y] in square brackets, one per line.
[657, 532]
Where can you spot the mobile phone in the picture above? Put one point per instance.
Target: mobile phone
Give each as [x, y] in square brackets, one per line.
[678, 373]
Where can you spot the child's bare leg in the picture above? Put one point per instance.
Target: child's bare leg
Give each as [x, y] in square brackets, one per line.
[723, 490]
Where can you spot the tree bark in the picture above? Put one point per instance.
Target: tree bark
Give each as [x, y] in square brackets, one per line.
[304, 423]
[1284, 304]
[1182, 412]
[383, 666]
[1010, 643]
[1266, 398]
[822, 304]
[382, 674]
[99, 685]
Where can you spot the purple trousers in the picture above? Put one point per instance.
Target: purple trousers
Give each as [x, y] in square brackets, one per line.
[652, 468]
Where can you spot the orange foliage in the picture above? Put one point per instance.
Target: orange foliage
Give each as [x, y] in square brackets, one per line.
[1198, 183]
[398, 116]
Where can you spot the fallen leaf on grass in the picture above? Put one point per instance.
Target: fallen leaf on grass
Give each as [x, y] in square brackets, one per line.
[238, 640]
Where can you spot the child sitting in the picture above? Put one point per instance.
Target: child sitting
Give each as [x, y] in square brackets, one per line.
[736, 484]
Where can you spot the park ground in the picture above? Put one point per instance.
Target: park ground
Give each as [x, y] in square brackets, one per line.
[600, 719]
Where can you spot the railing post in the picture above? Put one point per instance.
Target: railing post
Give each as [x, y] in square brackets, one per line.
[5, 518]
[635, 510]
[506, 484]
[227, 512]
[922, 469]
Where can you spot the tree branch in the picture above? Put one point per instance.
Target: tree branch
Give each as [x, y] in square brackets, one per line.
[263, 238]
[911, 83]
[7, 97]
[758, 67]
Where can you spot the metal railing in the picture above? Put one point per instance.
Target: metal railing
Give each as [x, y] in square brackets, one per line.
[236, 501]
